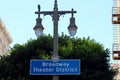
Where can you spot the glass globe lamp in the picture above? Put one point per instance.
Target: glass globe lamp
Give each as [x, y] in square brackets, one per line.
[72, 28]
[38, 27]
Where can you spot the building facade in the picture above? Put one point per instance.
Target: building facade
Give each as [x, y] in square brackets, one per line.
[116, 67]
[5, 39]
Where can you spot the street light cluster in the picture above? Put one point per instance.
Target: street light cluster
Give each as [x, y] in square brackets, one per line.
[72, 28]
[55, 14]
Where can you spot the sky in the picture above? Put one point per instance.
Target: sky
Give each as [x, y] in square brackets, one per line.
[93, 19]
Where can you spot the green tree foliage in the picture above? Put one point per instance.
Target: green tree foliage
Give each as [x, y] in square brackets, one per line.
[94, 58]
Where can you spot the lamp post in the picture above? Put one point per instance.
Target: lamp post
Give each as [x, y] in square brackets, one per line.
[55, 14]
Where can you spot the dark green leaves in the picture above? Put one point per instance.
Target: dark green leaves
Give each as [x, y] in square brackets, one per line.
[94, 58]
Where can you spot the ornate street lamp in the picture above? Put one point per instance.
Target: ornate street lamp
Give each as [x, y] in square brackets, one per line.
[72, 28]
[38, 27]
[55, 14]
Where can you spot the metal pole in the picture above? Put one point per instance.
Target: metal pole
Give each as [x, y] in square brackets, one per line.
[55, 41]
[55, 26]
[55, 78]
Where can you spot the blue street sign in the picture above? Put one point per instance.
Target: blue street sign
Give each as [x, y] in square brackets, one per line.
[48, 67]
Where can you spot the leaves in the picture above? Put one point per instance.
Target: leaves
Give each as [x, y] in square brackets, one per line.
[94, 58]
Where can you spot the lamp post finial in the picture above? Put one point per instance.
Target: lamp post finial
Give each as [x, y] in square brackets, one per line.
[55, 4]
[38, 11]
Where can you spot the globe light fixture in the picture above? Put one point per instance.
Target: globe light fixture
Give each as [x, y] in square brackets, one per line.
[38, 27]
[72, 28]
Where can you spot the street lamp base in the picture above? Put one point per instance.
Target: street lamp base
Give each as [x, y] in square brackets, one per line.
[55, 58]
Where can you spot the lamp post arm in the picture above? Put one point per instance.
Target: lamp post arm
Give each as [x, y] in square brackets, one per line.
[52, 12]
[45, 12]
[66, 12]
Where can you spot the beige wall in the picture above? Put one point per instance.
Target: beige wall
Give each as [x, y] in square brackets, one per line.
[5, 39]
[117, 67]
